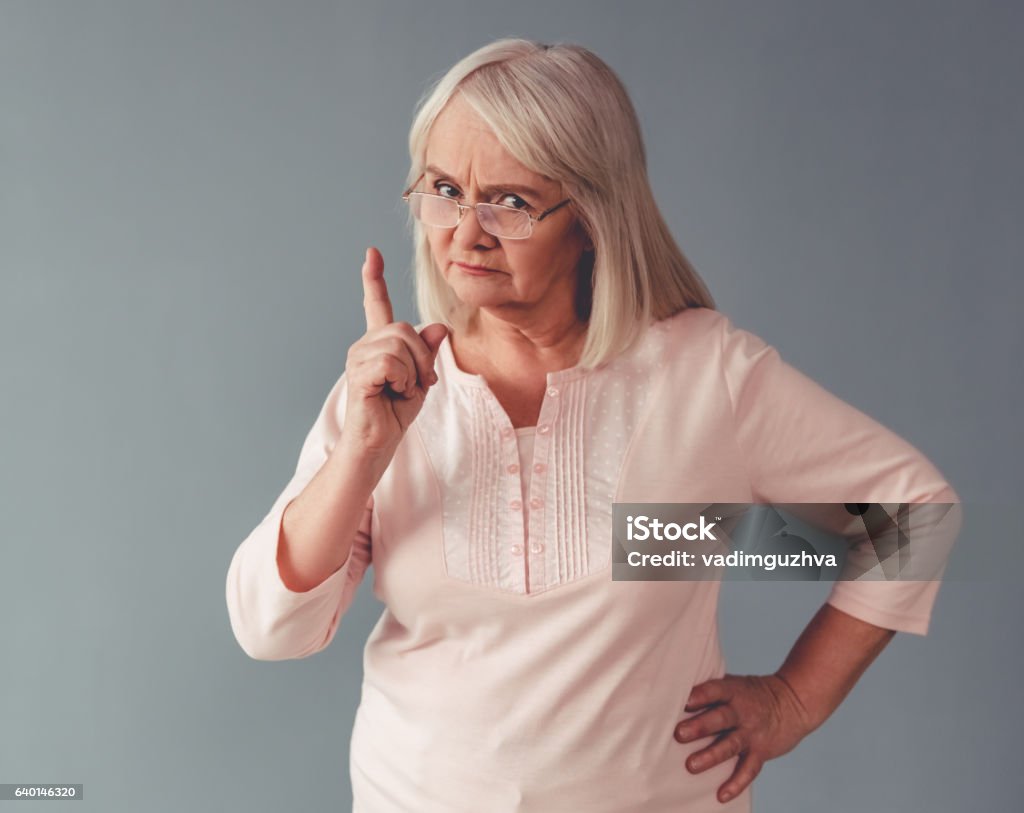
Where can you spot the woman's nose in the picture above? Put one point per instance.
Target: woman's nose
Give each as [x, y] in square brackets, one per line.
[469, 233]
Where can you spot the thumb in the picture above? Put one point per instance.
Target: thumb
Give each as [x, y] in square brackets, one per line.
[433, 335]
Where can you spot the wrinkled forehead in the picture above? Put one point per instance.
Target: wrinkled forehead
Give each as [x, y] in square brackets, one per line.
[461, 146]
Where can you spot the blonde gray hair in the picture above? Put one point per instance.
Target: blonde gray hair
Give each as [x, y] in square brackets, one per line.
[563, 113]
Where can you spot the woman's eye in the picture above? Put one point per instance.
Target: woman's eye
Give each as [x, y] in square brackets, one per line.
[440, 185]
[522, 204]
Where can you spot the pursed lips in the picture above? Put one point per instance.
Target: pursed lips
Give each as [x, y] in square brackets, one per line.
[475, 267]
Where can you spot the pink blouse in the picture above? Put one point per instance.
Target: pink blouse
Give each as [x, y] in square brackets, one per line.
[508, 671]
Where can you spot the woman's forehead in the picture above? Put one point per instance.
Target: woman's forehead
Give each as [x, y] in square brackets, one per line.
[492, 181]
[452, 142]
[462, 148]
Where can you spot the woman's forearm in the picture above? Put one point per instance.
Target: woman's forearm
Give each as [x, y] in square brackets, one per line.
[828, 659]
[319, 525]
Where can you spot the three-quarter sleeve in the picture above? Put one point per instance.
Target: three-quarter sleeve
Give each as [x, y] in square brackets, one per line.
[802, 444]
[270, 621]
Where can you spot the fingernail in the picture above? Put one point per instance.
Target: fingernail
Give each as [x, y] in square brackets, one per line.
[726, 795]
[684, 733]
[696, 763]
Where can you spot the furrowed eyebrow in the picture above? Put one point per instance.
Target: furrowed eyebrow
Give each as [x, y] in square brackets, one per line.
[488, 190]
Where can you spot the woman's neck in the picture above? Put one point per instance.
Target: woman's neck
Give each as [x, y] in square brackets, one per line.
[499, 344]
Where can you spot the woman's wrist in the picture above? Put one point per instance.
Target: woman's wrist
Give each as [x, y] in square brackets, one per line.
[828, 659]
[352, 456]
[810, 710]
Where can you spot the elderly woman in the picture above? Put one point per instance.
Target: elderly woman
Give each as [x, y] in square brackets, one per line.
[573, 358]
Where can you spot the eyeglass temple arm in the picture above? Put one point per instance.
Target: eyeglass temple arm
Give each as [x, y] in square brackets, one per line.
[405, 194]
[554, 208]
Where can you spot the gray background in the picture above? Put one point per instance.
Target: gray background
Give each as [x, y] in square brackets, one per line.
[186, 193]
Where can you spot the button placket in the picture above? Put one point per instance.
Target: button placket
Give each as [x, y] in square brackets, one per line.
[546, 423]
[514, 483]
[512, 534]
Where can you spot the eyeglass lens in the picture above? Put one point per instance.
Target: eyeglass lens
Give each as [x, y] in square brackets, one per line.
[443, 213]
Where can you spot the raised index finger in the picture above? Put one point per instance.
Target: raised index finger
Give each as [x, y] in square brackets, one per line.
[376, 301]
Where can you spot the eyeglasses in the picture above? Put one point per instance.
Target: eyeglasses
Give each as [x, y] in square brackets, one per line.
[505, 222]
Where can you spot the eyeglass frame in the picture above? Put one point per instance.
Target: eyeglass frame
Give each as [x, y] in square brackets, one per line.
[464, 206]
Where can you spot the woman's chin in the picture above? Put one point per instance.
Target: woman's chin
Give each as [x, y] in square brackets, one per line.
[478, 296]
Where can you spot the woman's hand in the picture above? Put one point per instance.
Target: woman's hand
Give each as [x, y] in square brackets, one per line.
[754, 717]
[389, 370]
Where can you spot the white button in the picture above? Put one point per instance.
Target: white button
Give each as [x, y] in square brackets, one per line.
[536, 503]
[517, 550]
[515, 505]
[537, 547]
[544, 428]
[553, 392]
[513, 468]
[540, 468]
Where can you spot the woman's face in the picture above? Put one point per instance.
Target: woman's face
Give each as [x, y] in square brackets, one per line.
[530, 280]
